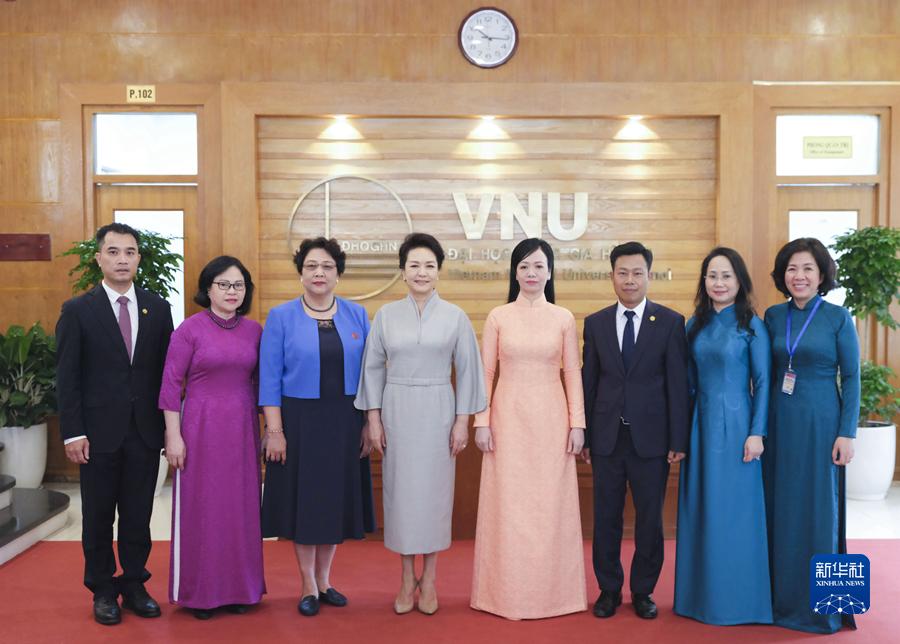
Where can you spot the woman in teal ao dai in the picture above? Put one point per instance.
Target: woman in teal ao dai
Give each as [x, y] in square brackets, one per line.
[810, 431]
[722, 564]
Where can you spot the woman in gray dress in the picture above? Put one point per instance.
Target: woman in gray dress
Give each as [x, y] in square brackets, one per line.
[415, 419]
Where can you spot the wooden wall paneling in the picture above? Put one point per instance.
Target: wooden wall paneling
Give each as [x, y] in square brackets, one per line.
[29, 76]
[209, 198]
[735, 221]
[431, 99]
[240, 236]
[399, 40]
[765, 205]
[29, 157]
[648, 17]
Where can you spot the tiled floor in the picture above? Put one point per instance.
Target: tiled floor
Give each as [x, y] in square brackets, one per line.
[865, 519]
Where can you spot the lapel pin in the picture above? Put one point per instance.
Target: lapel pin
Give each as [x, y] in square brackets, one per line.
[355, 337]
[144, 311]
[652, 317]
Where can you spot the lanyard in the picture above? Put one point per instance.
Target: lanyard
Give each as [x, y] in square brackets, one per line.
[787, 340]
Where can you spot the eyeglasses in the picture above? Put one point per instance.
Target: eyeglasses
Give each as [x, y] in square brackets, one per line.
[224, 286]
[326, 266]
[713, 278]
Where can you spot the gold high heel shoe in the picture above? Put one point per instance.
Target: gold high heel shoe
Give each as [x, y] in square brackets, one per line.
[428, 609]
[402, 609]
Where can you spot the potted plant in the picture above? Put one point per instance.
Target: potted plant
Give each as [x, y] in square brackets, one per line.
[27, 397]
[869, 269]
[155, 273]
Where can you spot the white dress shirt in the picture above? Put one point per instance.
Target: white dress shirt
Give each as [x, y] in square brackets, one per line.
[621, 320]
[116, 307]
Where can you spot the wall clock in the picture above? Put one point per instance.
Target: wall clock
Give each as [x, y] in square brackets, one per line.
[488, 37]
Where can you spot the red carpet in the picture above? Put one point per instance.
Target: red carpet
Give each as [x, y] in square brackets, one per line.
[42, 600]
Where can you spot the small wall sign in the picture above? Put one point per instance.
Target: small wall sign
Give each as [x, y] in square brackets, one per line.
[25, 248]
[140, 93]
[827, 147]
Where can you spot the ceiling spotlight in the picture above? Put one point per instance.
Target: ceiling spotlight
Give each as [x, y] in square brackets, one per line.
[340, 117]
[488, 118]
[635, 118]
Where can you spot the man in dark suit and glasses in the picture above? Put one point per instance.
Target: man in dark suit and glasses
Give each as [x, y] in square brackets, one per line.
[636, 402]
[111, 349]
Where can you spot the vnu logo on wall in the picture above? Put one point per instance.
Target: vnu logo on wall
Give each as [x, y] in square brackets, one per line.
[839, 584]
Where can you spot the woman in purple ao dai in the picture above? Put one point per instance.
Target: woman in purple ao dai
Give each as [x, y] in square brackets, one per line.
[212, 441]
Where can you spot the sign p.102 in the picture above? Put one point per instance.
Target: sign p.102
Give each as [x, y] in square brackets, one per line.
[140, 93]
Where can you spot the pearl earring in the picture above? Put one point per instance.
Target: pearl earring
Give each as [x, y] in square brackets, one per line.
[301, 280]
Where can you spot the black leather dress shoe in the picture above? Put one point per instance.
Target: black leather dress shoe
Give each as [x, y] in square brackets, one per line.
[141, 603]
[309, 605]
[605, 606]
[332, 598]
[107, 611]
[644, 606]
[236, 609]
[202, 613]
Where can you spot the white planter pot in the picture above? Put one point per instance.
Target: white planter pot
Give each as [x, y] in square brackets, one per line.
[161, 477]
[871, 471]
[25, 456]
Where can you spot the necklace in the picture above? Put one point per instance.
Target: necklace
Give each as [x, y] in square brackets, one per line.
[237, 318]
[330, 306]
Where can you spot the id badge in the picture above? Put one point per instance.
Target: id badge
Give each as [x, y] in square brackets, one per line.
[790, 379]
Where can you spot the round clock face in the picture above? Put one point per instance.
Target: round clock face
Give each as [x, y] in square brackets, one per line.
[488, 37]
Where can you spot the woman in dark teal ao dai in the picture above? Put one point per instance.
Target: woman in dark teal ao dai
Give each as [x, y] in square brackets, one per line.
[722, 564]
[811, 430]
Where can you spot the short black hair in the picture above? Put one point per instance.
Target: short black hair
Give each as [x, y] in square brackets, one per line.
[631, 248]
[331, 246]
[813, 246]
[215, 268]
[421, 240]
[122, 229]
[522, 250]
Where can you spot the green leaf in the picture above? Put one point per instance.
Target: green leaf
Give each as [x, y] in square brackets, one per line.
[24, 347]
[15, 332]
[18, 398]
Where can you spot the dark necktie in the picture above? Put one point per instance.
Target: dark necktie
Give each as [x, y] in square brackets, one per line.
[125, 323]
[627, 350]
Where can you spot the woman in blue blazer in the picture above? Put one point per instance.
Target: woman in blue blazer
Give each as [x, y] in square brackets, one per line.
[318, 488]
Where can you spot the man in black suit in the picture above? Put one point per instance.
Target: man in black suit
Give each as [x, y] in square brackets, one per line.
[636, 405]
[111, 345]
